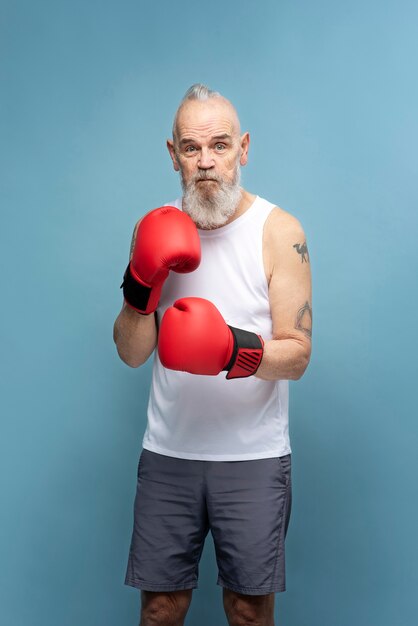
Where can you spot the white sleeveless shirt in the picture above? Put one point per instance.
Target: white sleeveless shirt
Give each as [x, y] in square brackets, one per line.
[208, 417]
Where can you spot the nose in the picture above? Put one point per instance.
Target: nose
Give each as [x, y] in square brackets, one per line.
[205, 159]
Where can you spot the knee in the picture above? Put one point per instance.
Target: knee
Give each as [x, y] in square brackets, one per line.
[164, 609]
[244, 610]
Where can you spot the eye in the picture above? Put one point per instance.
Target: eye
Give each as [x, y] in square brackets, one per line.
[190, 149]
[219, 147]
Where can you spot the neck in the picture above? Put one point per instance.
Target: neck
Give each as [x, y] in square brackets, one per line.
[246, 201]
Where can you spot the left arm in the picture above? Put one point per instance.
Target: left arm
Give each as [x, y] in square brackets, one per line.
[287, 354]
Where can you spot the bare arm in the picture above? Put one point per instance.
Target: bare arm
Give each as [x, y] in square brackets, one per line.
[135, 335]
[287, 355]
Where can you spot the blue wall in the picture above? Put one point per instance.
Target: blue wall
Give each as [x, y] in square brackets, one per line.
[329, 93]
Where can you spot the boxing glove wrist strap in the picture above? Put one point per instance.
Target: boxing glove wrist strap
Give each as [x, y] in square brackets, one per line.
[136, 294]
[246, 354]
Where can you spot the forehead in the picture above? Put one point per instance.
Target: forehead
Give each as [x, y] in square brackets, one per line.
[207, 117]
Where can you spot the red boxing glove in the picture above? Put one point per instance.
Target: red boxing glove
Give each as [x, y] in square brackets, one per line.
[166, 239]
[195, 338]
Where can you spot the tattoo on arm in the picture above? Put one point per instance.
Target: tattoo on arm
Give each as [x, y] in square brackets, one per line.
[302, 249]
[304, 320]
[131, 251]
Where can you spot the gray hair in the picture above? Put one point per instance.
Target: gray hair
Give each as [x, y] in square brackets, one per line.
[198, 91]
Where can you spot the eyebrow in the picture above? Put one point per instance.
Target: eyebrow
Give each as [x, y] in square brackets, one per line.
[215, 138]
[223, 136]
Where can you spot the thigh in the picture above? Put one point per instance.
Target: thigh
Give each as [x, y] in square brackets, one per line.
[170, 524]
[249, 509]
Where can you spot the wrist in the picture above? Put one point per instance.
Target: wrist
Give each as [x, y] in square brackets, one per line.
[137, 294]
[247, 353]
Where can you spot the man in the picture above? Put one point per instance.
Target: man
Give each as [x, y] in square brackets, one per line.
[217, 282]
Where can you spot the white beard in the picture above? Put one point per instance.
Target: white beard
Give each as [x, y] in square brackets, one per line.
[210, 205]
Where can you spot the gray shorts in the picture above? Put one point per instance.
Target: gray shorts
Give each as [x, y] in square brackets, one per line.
[245, 504]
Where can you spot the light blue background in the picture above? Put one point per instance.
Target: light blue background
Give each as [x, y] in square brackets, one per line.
[329, 92]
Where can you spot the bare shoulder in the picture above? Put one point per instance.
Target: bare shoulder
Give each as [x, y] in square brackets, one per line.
[281, 225]
[283, 236]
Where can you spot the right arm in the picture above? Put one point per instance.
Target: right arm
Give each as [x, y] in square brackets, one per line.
[164, 239]
[135, 335]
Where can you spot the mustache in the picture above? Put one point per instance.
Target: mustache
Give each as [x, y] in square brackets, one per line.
[205, 175]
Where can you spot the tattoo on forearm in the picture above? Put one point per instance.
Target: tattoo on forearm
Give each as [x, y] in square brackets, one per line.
[302, 249]
[304, 320]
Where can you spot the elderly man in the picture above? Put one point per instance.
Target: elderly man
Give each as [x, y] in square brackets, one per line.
[218, 281]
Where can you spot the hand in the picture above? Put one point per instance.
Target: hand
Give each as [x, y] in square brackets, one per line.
[166, 239]
[194, 338]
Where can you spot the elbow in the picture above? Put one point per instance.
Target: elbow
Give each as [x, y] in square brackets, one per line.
[128, 359]
[131, 363]
[301, 366]
[297, 375]
[124, 355]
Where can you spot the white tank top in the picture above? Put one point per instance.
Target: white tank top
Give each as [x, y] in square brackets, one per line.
[208, 417]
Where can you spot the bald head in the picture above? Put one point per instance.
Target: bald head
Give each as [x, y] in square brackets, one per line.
[199, 98]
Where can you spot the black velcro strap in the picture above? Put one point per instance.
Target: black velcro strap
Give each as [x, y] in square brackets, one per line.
[246, 340]
[135, 294]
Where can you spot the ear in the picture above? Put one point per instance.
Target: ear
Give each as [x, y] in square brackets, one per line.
[170, 146]
[245, 144]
